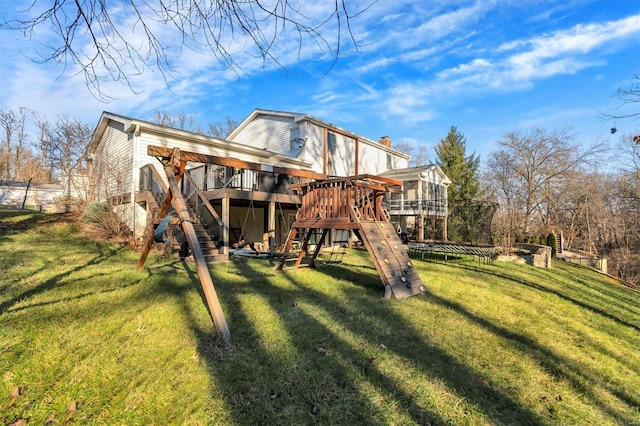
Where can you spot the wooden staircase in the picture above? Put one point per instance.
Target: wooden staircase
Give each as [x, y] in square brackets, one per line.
[209, 249]
[173, 231]
[178, 240]
[175, 234]
[355, 203]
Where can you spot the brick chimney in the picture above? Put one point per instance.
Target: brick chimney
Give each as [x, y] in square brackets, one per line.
[385, 141]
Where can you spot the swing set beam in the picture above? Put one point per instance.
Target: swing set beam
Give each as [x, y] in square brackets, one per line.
[174, 166]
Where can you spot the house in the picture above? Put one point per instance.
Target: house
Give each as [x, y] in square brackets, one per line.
[423, 198]
[248, 189]
[334, 151]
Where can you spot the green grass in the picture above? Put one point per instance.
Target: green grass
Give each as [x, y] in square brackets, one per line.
[488, 344]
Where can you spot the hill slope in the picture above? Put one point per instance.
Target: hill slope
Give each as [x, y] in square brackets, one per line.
[85, 337]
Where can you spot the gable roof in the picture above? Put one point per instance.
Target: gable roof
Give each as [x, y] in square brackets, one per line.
[133, 125]
[299, 117]
[420, 172]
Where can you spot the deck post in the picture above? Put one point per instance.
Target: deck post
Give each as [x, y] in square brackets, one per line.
[271, 226]
[444, 229]
[225, 225]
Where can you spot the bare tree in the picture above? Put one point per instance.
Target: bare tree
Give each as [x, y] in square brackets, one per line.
[119, 39]
[31, 167]
[222, 129]
[627, 96]
[623, 243]
[65, 143]
[17, 158]
[180, 120]
[627, 154]
[538, 162]
[501, 186]
[8, 121]
[44, 147]
[419, 154]
[21, 142]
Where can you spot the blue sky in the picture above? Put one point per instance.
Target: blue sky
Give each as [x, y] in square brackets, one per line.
[487, 67]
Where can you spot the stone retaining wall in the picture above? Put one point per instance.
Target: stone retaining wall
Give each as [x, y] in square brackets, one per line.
[540, 256]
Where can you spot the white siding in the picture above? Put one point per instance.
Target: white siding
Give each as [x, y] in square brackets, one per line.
[273, 132]
[314, 148]
[344, 158]
[220, 149]
[113, 160]
[373, 160]
[267, 132]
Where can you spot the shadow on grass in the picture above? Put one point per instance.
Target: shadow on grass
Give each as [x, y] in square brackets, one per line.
[10, 227]
[82, 295]
[324, 380]
[52, 282]
[561, 295]
[625, 298]
[559, 366]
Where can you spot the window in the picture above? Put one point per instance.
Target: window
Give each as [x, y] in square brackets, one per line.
[389, 162]
[294, 139]
[296, 143]
[331, 151]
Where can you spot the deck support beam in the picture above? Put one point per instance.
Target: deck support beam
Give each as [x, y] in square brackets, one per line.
[226, 225]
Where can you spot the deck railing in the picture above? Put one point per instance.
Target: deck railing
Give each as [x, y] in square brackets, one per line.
[429, 207]
[335, 198]
[211, 176]
[151, 181]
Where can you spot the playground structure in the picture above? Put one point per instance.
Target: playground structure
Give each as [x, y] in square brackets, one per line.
[350, 203]
[355, 203]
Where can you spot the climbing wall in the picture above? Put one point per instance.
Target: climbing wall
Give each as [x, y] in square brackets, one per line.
[391, 259]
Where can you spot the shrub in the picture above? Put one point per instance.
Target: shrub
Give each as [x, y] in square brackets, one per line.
[542, 240]
[94, 212]
[553, 243]
[100, 214]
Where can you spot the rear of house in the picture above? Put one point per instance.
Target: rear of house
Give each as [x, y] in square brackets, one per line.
[254, 203]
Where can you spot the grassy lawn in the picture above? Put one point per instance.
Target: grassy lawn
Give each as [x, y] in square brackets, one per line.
[87, 339]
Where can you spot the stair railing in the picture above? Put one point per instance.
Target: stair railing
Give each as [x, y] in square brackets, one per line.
[151, 181]
[201, 206]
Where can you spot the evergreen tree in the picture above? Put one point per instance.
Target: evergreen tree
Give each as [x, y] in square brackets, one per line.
[553, 243]
[463, 172]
